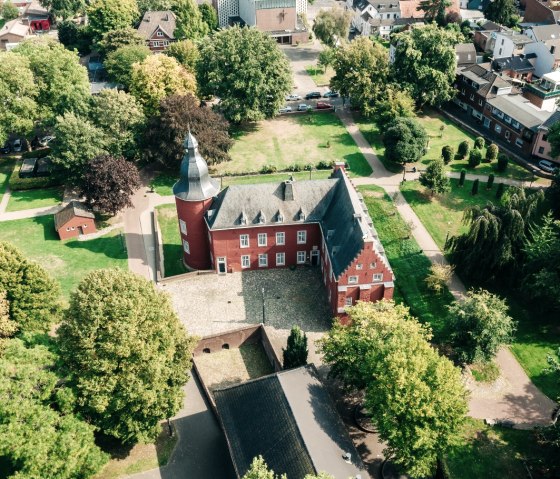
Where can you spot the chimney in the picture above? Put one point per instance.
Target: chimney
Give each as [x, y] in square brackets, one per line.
[339, 165]
[166, 18]
[552, 49]
[147, 18]
[289, 190]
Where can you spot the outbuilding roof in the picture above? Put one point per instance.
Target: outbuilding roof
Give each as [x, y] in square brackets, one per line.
[71, 210]
[15, 27]
[164, 20]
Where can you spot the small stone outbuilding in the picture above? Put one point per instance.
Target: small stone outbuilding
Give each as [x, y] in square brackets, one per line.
[74, 220]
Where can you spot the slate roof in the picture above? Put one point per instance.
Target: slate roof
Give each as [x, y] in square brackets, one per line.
[71, 210]
[289, 419]
[552, 119]
[465, 53]
[521, 110]
[517, 63]
[517, 38]
[151, 21]
[489, 80]
[546, 32]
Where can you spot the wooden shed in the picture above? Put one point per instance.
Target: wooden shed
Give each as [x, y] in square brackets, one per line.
[74, 220]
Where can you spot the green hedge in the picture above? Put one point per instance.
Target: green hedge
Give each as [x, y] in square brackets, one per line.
[16, 183]
[37, 153]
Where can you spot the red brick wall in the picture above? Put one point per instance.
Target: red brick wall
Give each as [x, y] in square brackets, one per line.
[276, 19]
[87, 224]
[192, 213]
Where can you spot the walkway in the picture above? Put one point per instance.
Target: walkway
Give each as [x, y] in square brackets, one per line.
[5, 199]
[517, 399]
[32, 213]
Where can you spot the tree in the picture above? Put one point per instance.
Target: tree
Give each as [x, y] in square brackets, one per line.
[503, 12]
[154, 5]
[479, 142]
[474, 190]
[115, 39]
[496, 236]
[120, 62]
[33, 297]
[490, 181]
[77, 142]
[361, 70]
[109, 183]
[447, 154]
[405, 141]
[8, 11]
[462, 177]
[331, 26]
[64, 8]
[464, 149]
[492, 152]
[434, 177]
[121, 118]
[209, 16]
[415, 397]
[127, 354]
[176, 115]
[39, 435]
[74, 36]
[500, 191]
[7, 327]
[475, 158]
[246, 69]
[63, 84]
[157, 77]
[553, 195]
[395, 103]
[190, 23]
[481, 325]
[259, 470]
[434, 10]
[425, 63]
[18, 94]
[326, 57]
[295, 354]
[107, 15]
[185, 52]
[503, 161]
[439, 277]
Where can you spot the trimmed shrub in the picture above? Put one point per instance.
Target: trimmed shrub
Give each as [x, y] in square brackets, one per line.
[500, 191]
[479, 142]
[295, 167]
[266, 169]
[474, 190]
[492, 153]
[462, 177]
[324, 165]
[490, 181]
[463, 149]
[503, 161]
[447, 154]
[16, 183]
[475, 158]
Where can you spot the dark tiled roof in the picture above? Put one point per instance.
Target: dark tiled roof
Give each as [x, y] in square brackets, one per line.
[490, 26]
[546, 32]
[517, 63]
[71, 210]
[552, 119]
[151, 21]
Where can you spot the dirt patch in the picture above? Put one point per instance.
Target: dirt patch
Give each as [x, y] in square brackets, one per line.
[373, 194]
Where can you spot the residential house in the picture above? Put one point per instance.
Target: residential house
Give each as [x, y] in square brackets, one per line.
[37, 16]
[542, 33]
[510, 43]
[544, 93]
[465, 54]
[546, 55]
[13, 33]
[290, 420]
[321, 223]
[485, 36]
[373, 17]
[541, 149]
[517, 67]
[471, 15]
[542, 11]
[158, 28]
[74, 220]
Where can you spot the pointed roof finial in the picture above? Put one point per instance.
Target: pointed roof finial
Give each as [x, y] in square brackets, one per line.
[190, 141]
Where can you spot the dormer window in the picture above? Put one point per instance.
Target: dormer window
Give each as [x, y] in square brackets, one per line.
[330, 234]
[261, 219]
[243, 219]
[159, 33]
[301, 215]
[280, 217]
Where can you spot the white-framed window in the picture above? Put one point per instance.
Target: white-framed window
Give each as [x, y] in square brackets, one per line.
[262, 239]
[73, 228]
[186, 247]
[378, 277]
[348, 301]
[352, 279]
[301, 255]
[68, 229]
[518, 143]
[480, 102]
[166, 43]
[263, 260]
[159, 33]
[85, 226]
[301, 237]
[245, 261]
[359, 266]
[280, 238]
[183, 227]
[507, 134]
[372, 265]
[280, 259]
[471, 97]
[498, 128]
[243, 241]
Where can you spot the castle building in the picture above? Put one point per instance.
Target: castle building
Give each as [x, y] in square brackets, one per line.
[321, 223]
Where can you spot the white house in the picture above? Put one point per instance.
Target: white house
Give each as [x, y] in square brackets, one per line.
[508, 43]
[374, 17]
[547, 55]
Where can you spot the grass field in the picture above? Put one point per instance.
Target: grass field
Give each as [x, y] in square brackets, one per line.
[321, 76]
[409, 263]
[29, 199]
[300, 139]
[172, 248]
[6, 167]
[67, 261]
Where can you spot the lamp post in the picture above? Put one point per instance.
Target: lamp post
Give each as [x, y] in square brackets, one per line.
[263, 318]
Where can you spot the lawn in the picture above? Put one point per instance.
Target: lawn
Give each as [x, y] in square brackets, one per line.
[409, 263]
[39, 198]
[297, 139]
[6, 168]
[67, 261]
[172, 248]
[438, 138]
[321, 76]
[538, 333]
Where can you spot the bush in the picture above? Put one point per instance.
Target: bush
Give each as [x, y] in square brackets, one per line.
[500, 190]
[479, 142]
[462, 177]
[295, 167]
[447, 154]
[266, 169]
[492, 153]
[463, 149]
[475, 158]
[474, 190]
[308, 167]
[16, 183]
[37, 153]
[503, 161]
[490, 181]
[324, 165]
[439, 277]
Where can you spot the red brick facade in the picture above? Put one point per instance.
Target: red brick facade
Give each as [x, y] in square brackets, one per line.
[76, 227]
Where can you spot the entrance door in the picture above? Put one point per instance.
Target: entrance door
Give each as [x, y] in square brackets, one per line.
[222, 266]
[314, 257]
[80, 230]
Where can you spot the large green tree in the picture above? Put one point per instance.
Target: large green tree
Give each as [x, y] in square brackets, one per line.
[481, 325]
[115, 39]
[246, 69]
[74, 36]
[332, 26]
[504, 12]
[177, 114]
[190, 23]
[259, 470]
[39, 435]
[127, 354]
[107, 15]
[434, 10]
[62, 82]
[554, 139]
[8, 327]
[119, 63]
[434, 177]
[64, 9]
[424, 62]
[393, 104]
[361, 71]
[185, 52]
[33, 297]
[405, 141]
[209, 16]
[415, 396]
[8, 11]
[18, 94]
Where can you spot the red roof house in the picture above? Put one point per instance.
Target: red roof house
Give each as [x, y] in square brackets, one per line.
[74, 220]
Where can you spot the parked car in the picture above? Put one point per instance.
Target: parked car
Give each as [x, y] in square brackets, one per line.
[16, 145]
[6, 148]
[331, 94]
[286, 109]
[45, 140]
[548, 166]
[302, 107]
[312, 95]
[293, 97]
[322, 105]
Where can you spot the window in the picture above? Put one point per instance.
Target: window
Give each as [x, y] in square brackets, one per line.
[186, 247]
[301, 237]
[72, 228]
[348, 301]
[479, 102]
[68, 229]
[507, 119]
[245, 261]
[280, 238]
[244, 241]
[519, 143]
[352, 279]
[498, 128]
[183, 227]
[159, 33]
[262, 239]
[301, 257]
[472, 97]
[486, 123]
[544, 137]
[359, 266]
[378, 277]
[372, 265]
[462, 91]
[500, 52]
[85, 226]
[280, 259]
[541, 150]
[263, 260]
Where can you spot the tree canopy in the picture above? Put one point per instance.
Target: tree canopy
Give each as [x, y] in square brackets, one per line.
[8, 327]
[434, 10]
[115, 39]
[259, 470]
[295, 354]
[425, 63]
[190, 23]
[405, 141]
[434, 177]
[74, 36]
[503, 12]
[107, 15]
[119, 63]
[8, 11]
[209, 16]
[554, 139]
[415, 397]
[393, 104]
[185, 52]
[127, 354]
[64, 8]
[246, 69]
[332, 26]
[167, 130]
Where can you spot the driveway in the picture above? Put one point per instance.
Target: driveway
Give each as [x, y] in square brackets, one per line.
[301, 57]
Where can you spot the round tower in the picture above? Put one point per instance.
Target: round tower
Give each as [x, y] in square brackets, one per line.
[194, 193]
